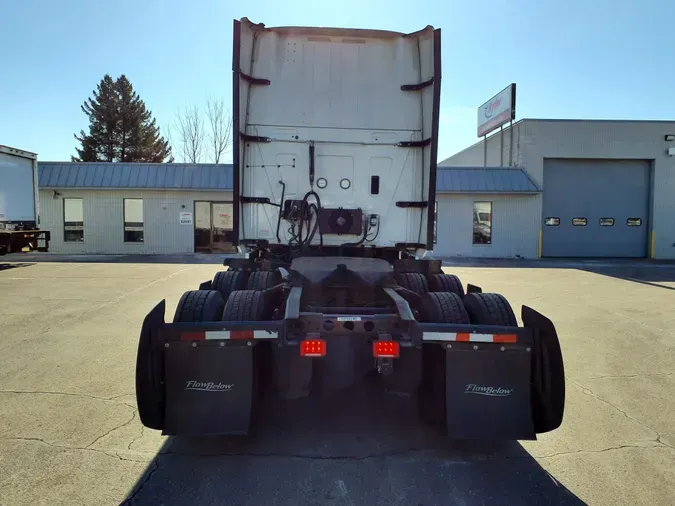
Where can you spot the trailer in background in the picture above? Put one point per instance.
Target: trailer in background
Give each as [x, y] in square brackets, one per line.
[19, 203]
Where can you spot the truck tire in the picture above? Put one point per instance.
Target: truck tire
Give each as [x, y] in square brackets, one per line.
[413, 281]
[446, 283]
[489, 309]
[443, 307]
[227, 282]
[244, 306]
[199, 306]
[261, 280]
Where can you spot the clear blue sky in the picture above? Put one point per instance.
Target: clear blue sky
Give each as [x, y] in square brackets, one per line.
[570, 59]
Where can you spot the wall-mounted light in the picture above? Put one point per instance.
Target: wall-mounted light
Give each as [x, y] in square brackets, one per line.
[670, 137]
[56, 195]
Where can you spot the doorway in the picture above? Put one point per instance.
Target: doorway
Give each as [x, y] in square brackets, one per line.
[213, 227]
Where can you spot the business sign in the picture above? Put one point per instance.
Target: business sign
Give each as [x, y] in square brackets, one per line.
[498, 110]
[185, 218]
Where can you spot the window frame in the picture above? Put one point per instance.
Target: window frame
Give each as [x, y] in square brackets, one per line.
[65, 232]
[629, 224]
[473, 227]
[551, 218]
[612, 220]
[124, 222]
[584, 224]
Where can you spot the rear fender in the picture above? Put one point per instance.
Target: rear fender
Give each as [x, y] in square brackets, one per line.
[548, 372]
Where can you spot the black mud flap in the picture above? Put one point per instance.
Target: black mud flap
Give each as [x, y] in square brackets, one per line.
[548, 372]
[150, 370]
[209, 389]
[488, 392]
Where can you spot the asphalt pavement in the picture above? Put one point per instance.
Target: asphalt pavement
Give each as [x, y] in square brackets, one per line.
[70, 434]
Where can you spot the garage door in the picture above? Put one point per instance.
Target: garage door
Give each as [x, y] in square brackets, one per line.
[595, 208]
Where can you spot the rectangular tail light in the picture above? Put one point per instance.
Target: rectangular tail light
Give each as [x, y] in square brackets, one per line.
[385, 349]
[313, 348]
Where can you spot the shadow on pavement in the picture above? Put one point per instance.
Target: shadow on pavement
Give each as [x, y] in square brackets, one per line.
[648, 272]
[4, 267]
[355, 447]
[187, 258]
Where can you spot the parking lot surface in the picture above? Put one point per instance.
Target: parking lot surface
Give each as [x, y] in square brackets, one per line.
[70, 434]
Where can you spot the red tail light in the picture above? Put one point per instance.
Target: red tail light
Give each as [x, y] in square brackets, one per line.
[313, 348]
[385, 349]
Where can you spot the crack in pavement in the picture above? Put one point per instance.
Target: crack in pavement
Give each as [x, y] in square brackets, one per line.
[133, 416]
[106, 452]
[137, 437]
[72, 394]
[611, 448]
[612, 376]
[148, 474]
[591, 393]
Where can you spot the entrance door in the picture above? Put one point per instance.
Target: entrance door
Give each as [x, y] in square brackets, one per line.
[213, 227]
[221, 229]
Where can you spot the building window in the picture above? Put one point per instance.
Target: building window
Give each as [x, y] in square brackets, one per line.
[606, 222]
[579, 222]
[552, 222]
[133, 220]
[482, 223]
[435, 221]
[634, 222]
[73, 220]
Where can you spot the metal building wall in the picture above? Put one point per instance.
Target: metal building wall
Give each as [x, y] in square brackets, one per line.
[473, 155]
[642, 140]
[515, 226]
[104, 216]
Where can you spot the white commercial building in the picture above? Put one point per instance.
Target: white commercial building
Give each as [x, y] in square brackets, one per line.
[552, 188]
[607, 191]
[131, 208]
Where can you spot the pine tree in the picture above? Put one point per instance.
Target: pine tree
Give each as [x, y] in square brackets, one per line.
[120, 127]
[100, 144]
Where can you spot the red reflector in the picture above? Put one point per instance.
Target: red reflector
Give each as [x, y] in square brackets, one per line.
[192, 336]
[241, 334]
[463, 337]
[504, 338]
[313, 348]
[385, 349]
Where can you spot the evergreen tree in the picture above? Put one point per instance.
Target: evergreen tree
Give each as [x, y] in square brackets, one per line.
[120, 127]
[100, 144]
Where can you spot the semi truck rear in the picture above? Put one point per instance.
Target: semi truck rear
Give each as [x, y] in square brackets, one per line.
[335, 152]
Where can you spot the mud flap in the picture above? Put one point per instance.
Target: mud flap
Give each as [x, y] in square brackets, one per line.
[548, 372]
[488, 392]
[150, 370]
[209, 389]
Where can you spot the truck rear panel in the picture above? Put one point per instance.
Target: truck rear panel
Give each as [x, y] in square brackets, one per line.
[349, 114]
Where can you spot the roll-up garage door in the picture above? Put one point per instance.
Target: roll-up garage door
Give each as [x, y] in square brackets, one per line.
[595, 208]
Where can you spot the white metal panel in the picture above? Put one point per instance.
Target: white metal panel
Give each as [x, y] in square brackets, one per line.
[17, 186]
[515, 226]
[340, 90]
[104, 220]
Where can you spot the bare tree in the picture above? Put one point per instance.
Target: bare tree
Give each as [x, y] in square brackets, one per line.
[190, 132]
[220, 122]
